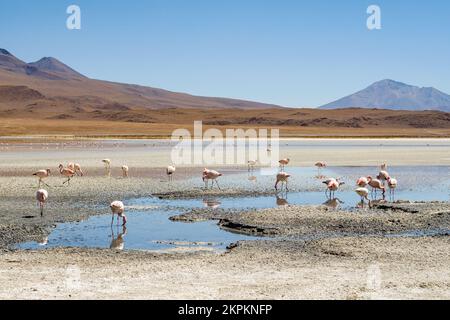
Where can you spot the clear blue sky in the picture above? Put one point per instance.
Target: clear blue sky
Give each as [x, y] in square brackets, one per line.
[291, 52]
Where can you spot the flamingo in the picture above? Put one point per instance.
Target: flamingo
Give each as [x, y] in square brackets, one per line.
[392, 183]
[283, 163]
[68, 173]
[125, 170]
[283, 178]
[376, 184]
[363, 193]
[211, 175]
[107, 163]
[383, 176]
[77, 169]
[252, 164]
[41, 197]
[384, 167]
[42, 174]
[118, 208]
[320, 165]
[71, 166]
[362, 182]
[170, 170]
[333, 186]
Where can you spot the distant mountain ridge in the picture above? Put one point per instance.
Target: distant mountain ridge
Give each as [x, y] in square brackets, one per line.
[62, 87]
[390, 94]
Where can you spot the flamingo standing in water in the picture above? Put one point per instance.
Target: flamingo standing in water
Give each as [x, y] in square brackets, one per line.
[170, 170]
[383, 176]
[42, 174]
[283, 163]
[77, 169]
[392, 184]
[125, 170]
[332, 186]
[320, 165]
[41, 197]
[252, 164]
[362, 182]
[384, 167]
[118, 208]
[107, 163]
[376, 184]
[283, 178]
[363, 193]
[66, 172]
[211, 175]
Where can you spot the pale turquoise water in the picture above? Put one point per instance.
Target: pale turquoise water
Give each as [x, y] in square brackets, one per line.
[149, 226]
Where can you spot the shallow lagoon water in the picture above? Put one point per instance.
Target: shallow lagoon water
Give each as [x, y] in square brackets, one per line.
[149, 227]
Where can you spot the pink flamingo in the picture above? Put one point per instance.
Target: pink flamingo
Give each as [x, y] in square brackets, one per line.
[42, 174]
[77, 169]
[283, 178]
[125, 171]
[66, 172]
[383, 176]
[41, 197]
[283, 163]
[118, 208]
[252, 164]
[211, 175]
[392, 183]
[376, 184]
[170, 172]
[332, 186]
[364, 194]
[320, 165]
[362, 182]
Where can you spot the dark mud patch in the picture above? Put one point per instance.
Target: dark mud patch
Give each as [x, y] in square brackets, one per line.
[198, 193]
[12, 234]
[247, 229]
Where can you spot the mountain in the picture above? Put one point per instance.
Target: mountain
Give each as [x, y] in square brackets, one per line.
[389, 94]
[49, 64]
[60, 87]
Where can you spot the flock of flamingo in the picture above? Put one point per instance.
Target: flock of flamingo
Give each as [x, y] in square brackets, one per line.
[282, 177]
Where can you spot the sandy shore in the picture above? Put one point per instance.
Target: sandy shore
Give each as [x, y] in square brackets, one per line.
[346, 268]
[311, 252]
[318, 256]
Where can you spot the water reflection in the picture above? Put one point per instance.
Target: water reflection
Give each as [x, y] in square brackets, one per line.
[211, 203]
[282, 199]
[118, 243]
[333, 203]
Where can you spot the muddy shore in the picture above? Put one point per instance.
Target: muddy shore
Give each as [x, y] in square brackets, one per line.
[391, 251]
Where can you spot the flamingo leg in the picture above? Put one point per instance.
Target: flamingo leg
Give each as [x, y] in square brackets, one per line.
[218, 185]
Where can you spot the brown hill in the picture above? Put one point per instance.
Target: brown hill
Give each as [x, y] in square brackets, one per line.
[59, 82]
[48, 97]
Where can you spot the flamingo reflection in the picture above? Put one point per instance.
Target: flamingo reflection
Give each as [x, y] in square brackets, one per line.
[117, 243]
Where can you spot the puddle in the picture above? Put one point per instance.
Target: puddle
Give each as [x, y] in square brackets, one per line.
[146, 230]
[149, 227]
